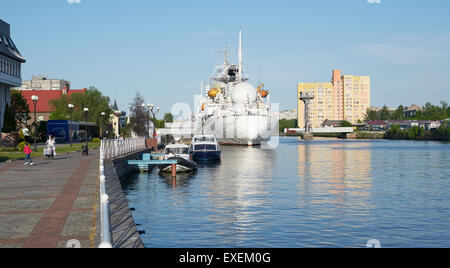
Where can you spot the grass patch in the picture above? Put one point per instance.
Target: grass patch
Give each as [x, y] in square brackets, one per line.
[17, 155]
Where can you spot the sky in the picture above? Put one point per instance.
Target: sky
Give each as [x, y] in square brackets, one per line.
[164, 49]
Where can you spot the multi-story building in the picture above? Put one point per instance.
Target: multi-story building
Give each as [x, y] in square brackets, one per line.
[287, 114]
[43, 105]
[10, 68]
[346, 97]
[42, 82]
[117, 119]
[411, 111]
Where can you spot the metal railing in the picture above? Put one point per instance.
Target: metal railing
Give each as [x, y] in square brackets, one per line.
[110, 149]
[114, 148]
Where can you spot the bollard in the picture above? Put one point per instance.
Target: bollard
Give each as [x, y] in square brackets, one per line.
[174, 170]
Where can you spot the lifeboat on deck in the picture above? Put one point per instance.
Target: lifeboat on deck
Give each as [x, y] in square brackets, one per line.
[212, 93]
[262, 92]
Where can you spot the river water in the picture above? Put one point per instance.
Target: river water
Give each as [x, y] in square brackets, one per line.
[322, 193]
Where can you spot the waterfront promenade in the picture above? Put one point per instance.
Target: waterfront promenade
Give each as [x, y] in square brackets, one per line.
[50, 203]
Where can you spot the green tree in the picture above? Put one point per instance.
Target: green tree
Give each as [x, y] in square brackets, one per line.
[371, 115]
[345, 123]
[9, 124]
[384, 113]
[158, 123]
[444, 109]
[139, 117]
[399, 114]
[91, 98]
[283, 123]
[168, 118]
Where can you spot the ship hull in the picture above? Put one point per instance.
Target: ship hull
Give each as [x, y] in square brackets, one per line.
[183, 165]
[206, 156]
[246, 130]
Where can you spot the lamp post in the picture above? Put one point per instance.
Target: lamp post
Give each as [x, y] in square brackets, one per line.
[154, 112]
[70, 106]
[101, 123]
[150, 108]
[147, 109]
[35, 99]
[86, 111]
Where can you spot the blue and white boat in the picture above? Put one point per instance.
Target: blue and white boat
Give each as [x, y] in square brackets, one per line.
[180, 153]
[205, 148]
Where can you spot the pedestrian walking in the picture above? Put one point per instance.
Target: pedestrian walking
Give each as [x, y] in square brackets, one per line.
[50, 144]
[54, 146]
[27, 150]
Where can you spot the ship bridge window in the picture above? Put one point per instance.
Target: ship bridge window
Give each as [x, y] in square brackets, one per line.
[205, 147]
[177, 151]
[207, 139]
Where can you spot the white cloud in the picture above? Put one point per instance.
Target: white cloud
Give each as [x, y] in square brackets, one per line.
[374, 1]
[74, 1]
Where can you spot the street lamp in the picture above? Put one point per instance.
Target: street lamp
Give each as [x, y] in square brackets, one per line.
[101, 123]
[147, 109]
[35, 99]
[70, 106]
[150, 108]
[86, 148]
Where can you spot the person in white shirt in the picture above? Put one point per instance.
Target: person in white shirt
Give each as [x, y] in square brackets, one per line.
[51, 145]
[54, 146]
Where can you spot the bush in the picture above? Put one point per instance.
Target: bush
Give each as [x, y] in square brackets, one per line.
[283, 123]
[345, 124]
[95, 140]
[418, 133]
[21, 146]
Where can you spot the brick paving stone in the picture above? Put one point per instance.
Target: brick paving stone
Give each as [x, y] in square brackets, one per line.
[50, 203]
[23, 193]
[25, 205]
[18, 226]
[78, 223]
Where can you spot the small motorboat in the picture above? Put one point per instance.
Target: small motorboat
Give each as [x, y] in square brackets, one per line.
[179, 152]
[205, 148]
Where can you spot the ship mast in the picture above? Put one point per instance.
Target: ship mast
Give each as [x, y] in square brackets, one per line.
[240, 57]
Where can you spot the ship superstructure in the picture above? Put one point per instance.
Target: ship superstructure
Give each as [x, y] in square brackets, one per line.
[232, 109]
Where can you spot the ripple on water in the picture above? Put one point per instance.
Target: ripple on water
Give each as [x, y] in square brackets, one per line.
[324, 193]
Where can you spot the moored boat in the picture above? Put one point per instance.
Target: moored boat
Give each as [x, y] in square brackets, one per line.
[179, 152]
[205, 148]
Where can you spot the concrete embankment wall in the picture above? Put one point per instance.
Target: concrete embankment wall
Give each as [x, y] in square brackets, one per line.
[124, 232]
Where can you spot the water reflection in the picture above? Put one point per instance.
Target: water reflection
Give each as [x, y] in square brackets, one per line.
[236, 202]
[334, 169]
[321, 193]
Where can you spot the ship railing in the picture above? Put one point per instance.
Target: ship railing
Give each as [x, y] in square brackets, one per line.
[110, 149]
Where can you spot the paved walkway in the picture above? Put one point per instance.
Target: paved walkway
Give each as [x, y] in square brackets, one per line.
[50, 203]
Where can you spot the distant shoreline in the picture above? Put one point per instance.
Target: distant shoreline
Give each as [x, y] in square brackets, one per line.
[364, 135]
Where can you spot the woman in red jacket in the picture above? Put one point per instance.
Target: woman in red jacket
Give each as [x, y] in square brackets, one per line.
[27, 151]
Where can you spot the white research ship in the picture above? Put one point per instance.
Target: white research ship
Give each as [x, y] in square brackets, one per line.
[232, 109]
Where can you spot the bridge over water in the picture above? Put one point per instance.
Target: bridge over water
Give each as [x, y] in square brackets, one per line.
[321, 130]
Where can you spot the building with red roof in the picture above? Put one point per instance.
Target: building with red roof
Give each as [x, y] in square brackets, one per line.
[43, 107]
